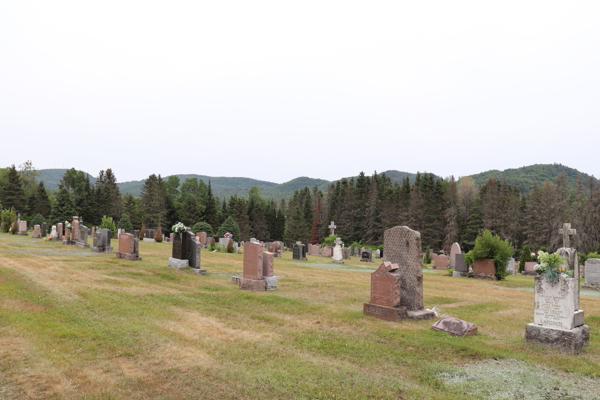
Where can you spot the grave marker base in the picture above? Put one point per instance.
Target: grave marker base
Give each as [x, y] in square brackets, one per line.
[337, 262]
[102, 249]
[257, 285]
[200, 271]
[127, 256]
[420, 314]
[149, 240]
[570, 341]
[82, 245]
[384, 313]
[177, 263]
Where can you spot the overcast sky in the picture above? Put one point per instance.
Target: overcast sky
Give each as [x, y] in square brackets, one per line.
[276, 90]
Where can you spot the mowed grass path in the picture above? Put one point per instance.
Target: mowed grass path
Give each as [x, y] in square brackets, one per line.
[81, 325]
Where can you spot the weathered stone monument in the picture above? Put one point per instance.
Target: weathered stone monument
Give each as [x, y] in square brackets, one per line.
[83, 237]
[44, 229]
[338, 257]
[461, 268]
[558, 321]
[201, 237]
[36, 232]
[150, 235]
[512, 266]
[54, 233]
[347, 251]
[101, 241]
[23, 228]
[592, 274]
[403, 248]
[332, 228]
[129, 247]
[440, 261]
[274, 247]
[186, 252]
[75, 229]
[377, 253]
[60, 231]
[454, 250]
[258, 269]
[455, 326]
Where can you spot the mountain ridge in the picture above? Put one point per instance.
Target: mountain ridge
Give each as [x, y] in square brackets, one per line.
[224, 187]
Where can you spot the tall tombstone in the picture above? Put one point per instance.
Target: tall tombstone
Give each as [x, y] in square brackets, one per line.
[44, 229]
[592, 274]
[454, 250]
[403, 248]
[338, 257]
[23, 228]
[180, 246]
[253, 268]
[60, 230]
[297, 252]
[461, 265]
[54, 233]
[193, 251]
[83, 237]
[75, 229]
[36, 232]
[558, 320]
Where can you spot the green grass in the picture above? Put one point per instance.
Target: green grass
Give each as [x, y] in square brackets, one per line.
[75, 325]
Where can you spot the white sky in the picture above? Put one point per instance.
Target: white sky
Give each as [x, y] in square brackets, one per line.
[276, 90]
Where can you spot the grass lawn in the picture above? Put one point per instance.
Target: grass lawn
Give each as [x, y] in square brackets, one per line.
[81, 325]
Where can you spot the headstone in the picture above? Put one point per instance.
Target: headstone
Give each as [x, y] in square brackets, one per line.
[461, 265]
[273, 247]
[328, 251]
[512, 266]
[83, 237]
[297, 252]
[202, 237]
[592, 273]
[60, 231]
[44, 229]
[267, 263]
[403, 248]
[23, 228]
[366, 255]
[193, 252]
[381, 253]
[386, 294]
[180, 246]
[236, 248]
[338, 257]
[347, 251]
[440, 262]
[223, 242]
[314, 249]
[484, 268]
[377, 254]
[129, 248]
[75, 229]
[455, 326]
[136, 233]
[558, 320]
[253, 268]
[150, 235]
[530, 268]
[102, 240]
[54, 233]
[36, 232]
[454, 250]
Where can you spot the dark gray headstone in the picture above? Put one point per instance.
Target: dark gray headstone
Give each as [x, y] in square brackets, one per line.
[297, 252]
[461, 265]
[180, 245]
[44, 229]
[367, 255]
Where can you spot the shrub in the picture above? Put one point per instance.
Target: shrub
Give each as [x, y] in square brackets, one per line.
[142, 231]
[13, 228]
[229, 225]
[203, 227]
[525, 257]
[125, 223]
[108, 223]
[230, 246]
[7, 217]
[427, 259]
[544, 249]
[330, 240]
[159, 235]
[492, 246]
[37, 220]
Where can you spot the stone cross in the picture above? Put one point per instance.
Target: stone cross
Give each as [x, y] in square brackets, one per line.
[332, 227]
[566, 233]
[338, 241]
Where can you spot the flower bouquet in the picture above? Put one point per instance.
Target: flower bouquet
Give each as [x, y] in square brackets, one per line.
[178, 227]
[550, 266]
[228, 235]
[67, 224]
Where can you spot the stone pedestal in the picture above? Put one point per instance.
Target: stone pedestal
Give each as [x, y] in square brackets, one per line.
[255, 285]
[177, 263]
[569, 341]
[385, 313]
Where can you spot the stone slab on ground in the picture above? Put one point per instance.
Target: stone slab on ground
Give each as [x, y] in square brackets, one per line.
[177, 263]
[149, 239]
[420, 314]
[569, 341]
[384, 313]
[455, 326]
[128, 256]
[200, 271]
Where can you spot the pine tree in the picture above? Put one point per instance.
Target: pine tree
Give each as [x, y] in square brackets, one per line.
[12, 192]
[229, 225]
[210, 212]
[43, 205]
[64, 207]
[125, 223]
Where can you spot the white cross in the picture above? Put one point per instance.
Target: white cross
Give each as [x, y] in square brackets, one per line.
[566, 233]
[338, 241]
[332, 227]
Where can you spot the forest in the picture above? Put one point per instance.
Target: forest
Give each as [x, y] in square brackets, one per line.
[443, 210]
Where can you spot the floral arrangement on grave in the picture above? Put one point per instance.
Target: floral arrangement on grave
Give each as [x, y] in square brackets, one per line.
[178, 227]
[228, 235]
[550, 266]
[67, 224]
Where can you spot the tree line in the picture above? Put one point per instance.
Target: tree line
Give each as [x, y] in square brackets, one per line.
[443, 210]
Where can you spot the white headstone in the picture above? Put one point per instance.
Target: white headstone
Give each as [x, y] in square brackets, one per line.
[54, 233]
[592, 272]
[338, 255]
[332, 228]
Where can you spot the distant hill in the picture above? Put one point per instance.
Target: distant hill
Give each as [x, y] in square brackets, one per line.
[223, 187]
[525, 177]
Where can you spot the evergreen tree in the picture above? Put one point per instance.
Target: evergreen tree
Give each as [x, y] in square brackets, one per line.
[230, 226]
[43, 205]
[153, 201]
[125, 223]
[210, 212]
[64, 207]
[12, 192]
